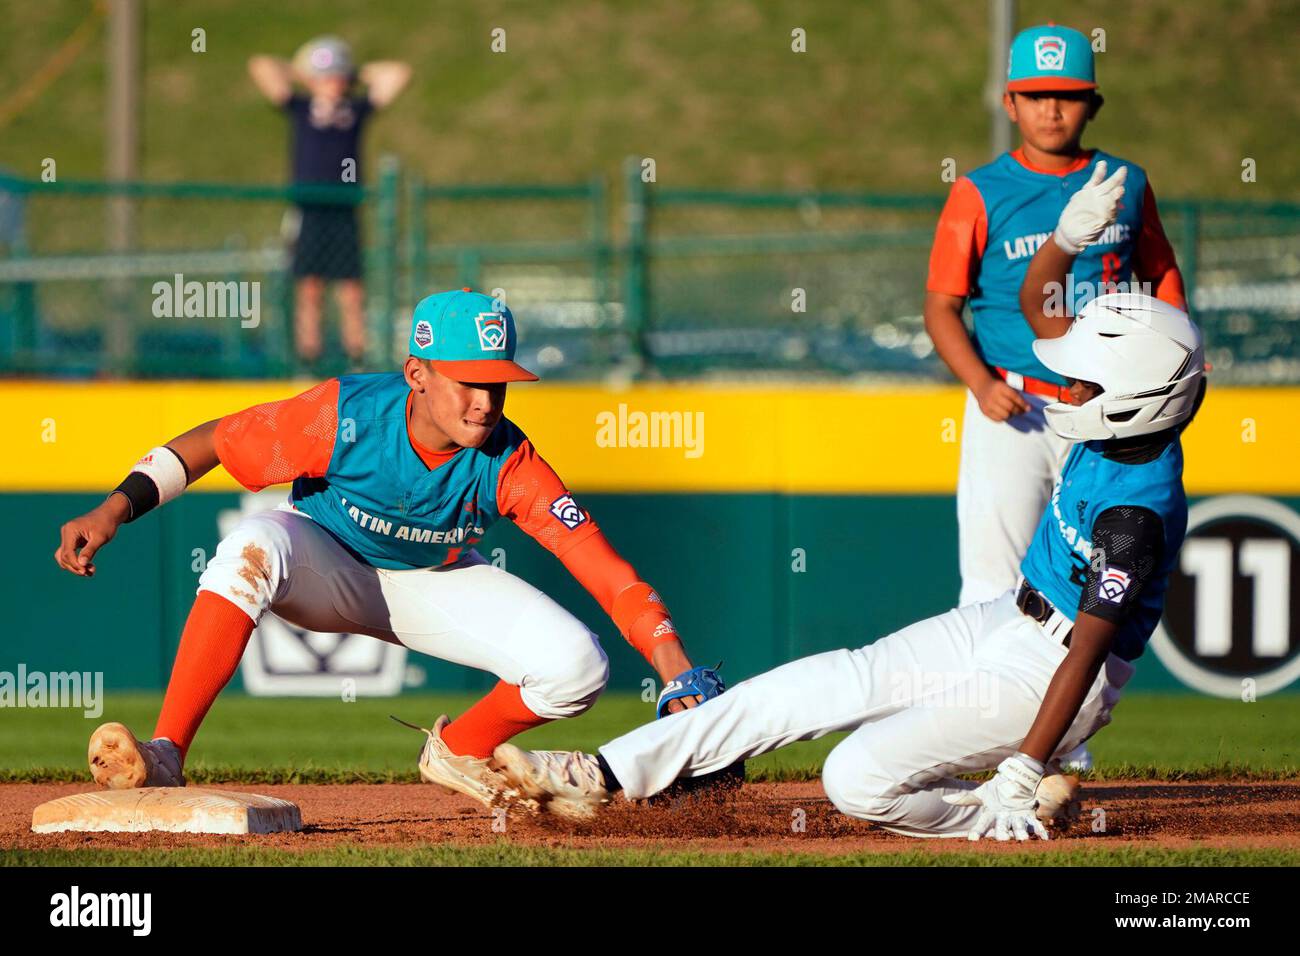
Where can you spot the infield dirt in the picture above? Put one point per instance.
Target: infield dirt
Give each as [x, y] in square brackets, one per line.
[760, 817]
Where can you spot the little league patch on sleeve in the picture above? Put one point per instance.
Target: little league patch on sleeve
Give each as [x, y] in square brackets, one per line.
[1113, 586]
[567, 510]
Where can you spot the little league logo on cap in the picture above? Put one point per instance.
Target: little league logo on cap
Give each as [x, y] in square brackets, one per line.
[1043, 59]
[1049, 53]
[467, 336]
[492, 335]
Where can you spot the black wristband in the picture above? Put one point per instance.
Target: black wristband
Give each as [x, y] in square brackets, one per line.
[140, 492]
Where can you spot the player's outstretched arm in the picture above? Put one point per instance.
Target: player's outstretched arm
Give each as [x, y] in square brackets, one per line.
[634, 607]
[161, 475]
[531, 494]
[267, 444]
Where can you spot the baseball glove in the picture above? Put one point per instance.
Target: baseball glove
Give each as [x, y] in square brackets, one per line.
[702, 682]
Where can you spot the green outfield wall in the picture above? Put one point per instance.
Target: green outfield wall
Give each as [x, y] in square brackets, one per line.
[829, 542]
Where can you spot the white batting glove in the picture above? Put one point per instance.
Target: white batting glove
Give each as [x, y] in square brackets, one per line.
[1007, 800]
[1090, 210]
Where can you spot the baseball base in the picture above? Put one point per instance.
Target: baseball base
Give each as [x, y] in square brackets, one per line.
[171, 809]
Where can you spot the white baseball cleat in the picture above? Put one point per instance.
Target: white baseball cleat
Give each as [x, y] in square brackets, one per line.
[1078, 760]
[119, 761]
[566, 783]
[472, 776]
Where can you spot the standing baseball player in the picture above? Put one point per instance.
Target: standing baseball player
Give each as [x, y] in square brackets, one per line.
[395, 478]
[994, 220]
[1010, 683]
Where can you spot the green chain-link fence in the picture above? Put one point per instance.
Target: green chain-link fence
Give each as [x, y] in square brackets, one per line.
[546, 250]
[1241, 264]
[823, 284]
[666, 282]
[170, 280]
[726, 273]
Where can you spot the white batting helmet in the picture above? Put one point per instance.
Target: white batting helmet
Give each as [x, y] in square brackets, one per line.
[1145, 354]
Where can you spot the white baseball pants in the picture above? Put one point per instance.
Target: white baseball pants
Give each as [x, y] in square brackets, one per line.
[953, 694]
[1004, 482]
[469, 613]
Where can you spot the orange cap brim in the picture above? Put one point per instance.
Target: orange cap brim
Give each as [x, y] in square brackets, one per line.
[484, 370]
[1047, 84]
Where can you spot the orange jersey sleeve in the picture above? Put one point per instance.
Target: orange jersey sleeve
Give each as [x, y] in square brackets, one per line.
[959, 241]
[1154, 260]
[280, 441]
[530, 494]
[600, 569]
[636, 610]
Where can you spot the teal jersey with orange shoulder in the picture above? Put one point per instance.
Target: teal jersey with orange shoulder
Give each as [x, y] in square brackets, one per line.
[357, 472]
[995, 220]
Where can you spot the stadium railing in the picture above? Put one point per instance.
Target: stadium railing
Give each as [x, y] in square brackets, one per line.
[545, 250]
[167, 280]
[668, 282]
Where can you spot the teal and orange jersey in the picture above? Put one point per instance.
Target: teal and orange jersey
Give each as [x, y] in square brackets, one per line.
[996, 218]
[357, 471]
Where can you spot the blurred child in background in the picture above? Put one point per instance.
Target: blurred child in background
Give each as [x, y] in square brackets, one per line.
[325, 149]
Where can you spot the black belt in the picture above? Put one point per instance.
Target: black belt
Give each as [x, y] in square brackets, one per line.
[1034, 605]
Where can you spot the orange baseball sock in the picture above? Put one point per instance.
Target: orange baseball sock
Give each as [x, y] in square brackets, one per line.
[493, 720]
[215, 635]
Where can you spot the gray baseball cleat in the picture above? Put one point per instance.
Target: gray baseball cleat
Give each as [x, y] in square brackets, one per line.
[120, 761]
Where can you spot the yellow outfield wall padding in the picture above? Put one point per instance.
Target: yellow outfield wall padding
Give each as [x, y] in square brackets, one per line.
[796, 438]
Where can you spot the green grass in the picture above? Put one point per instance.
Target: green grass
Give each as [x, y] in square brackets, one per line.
[261, 740]
[507, 854]
[311, 740]
[885, 92]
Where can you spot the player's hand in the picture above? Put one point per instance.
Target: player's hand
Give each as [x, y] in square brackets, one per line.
[1090, 210]
[683, 703]
[670, 659]
[81, 537]
[1007, 803]
[689, 689]
[999, 401]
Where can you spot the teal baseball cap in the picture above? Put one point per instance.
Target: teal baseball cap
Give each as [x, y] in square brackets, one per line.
[1049, 58]
[467, 336]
